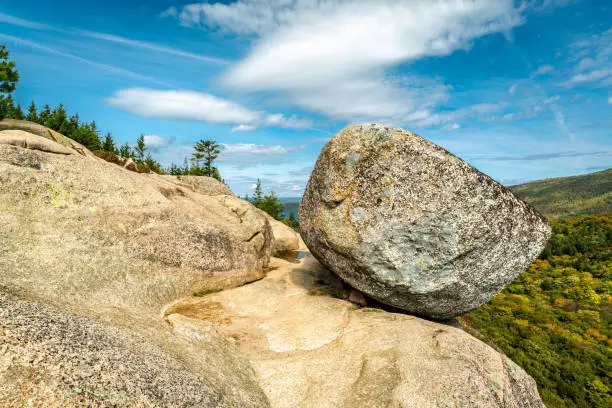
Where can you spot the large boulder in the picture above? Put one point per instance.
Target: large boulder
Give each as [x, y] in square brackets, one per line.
[285, 238]
[86, 243]
[313, 350]
[412, 225]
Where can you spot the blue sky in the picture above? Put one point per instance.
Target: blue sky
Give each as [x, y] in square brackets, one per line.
[522, 90]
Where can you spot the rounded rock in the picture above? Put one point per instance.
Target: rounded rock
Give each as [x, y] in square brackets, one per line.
[413, 226]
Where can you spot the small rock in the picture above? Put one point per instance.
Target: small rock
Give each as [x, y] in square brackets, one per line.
[357, 297]
[130, 165]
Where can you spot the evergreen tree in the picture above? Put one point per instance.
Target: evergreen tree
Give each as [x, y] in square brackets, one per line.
[272, 205]
[44, 115]
[292, 222]
[125, 151]
[8, 79]
[257, 194]
[57, 119]
[87, 135]
[140, 148]
[70, 126]
[208, 150]
[7, 107]
[32, 115]
[174, 170]
[109, 143]
[185, 166]
[153, 164]
[18, 113]
[268, 202]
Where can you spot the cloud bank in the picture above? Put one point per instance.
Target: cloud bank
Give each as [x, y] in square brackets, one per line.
[197, 106]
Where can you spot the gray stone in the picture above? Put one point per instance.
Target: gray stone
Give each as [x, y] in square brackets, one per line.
[412, 225]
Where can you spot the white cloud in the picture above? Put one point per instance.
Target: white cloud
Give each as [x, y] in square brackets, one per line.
[243, 128]
[150, 46]
[451, 127]
[512, 89]
[333, 57]
[594, 53]
[12, 20]
[156, 142]
[550, 100]
[610, 100]
[428, 118]
[191, 105]
[543, 70]
[241, 155]
[588, 78]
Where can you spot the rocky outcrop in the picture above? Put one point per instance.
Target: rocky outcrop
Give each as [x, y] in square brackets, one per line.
[114, 247]
[312, 350]
[98, 267]
[202, 185]
[413, 226]
[27, 140]
[39, 130]
[285, 238]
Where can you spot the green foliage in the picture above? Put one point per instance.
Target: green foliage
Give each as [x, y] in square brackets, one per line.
[32, 115]
[140, 148]
[152, 164]
[554, 320]
[8, 72]
[8, 82]
[125, 151]
[206, 152]
[267, 202]
[201, 163]
[570, 196]
[109, 144]
[292, 222]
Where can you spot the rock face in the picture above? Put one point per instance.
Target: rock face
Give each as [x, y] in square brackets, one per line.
[311, 350]
[413, 226]
[285, 238]
[52, 358]
[106, 248]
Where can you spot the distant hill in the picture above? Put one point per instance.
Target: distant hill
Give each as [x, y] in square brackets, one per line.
[562, 197]
[568, 197]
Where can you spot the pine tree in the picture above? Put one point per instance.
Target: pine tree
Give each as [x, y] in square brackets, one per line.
[292, 222]
[18, 113]
[125, 151]
[57, 119]
[7, 107]
[109, 143]
[268, 202]
[257, 194]
[208, 150]
[140, 148]
[44, 115]
[32, 115]
[8, 80]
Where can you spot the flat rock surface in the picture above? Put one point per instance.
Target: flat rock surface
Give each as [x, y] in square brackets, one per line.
[413, 226]
[311, 350]
[50, 358]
